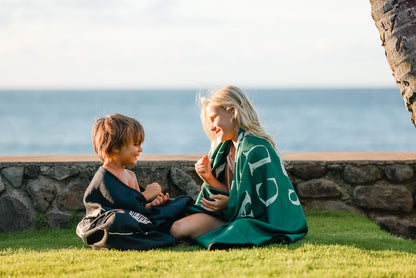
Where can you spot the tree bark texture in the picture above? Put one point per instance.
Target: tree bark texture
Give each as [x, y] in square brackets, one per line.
[396, 22]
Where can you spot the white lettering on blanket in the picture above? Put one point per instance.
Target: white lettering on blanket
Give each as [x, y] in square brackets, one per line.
[271, 199]
[261, 162]
[220, 169]
[246, 206]
[296, 202]
[281, 165]
[140, 217]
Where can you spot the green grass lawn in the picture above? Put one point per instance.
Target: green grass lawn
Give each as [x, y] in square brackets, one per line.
[339, 244]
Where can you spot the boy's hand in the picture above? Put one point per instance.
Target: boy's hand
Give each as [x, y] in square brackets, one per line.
[152, 191]
[158, 201]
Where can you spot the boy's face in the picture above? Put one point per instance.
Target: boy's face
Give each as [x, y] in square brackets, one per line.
[128, 153]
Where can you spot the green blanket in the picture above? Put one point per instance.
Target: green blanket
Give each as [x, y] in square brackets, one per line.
[263, 206]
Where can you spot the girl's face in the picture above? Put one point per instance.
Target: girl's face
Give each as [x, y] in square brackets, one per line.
[222, 123]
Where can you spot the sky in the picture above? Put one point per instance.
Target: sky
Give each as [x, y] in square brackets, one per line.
[97, 44]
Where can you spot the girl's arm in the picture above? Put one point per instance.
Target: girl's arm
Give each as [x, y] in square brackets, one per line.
[220, 203]
[203, 169]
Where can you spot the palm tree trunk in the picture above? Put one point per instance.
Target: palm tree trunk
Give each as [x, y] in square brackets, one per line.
[396, 22]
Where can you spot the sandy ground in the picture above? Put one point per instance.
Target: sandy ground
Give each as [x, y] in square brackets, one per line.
[324, 156]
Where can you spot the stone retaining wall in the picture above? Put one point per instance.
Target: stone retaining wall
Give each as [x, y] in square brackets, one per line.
[34, 194]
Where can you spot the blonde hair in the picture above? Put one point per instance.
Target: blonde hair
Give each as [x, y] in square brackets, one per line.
[232, 98]
[114, 131]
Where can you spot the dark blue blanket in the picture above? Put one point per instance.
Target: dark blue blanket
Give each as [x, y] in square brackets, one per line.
[116, 217]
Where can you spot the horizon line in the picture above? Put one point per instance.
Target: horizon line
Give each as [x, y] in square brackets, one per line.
[177, 88]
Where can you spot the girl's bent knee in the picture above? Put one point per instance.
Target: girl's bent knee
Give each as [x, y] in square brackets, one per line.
[177, 229]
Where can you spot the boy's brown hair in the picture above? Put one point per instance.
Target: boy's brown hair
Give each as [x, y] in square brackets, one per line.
[114, 131]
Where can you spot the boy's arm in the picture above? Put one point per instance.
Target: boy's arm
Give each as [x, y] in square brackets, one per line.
[144, 200]
[133, 180]
[152, 191]
[158, 201]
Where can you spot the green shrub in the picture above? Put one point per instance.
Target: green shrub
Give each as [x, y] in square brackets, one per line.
[41, 222]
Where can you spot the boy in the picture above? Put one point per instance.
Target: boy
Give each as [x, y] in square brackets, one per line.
[119, 215]
[117, 140]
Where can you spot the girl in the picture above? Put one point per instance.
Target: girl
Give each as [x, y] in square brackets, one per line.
[247, 197]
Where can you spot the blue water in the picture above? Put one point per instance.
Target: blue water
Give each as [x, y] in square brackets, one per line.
[321, 120]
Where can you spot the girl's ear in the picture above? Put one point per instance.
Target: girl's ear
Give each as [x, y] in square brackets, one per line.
[230, 109]
[234, 111]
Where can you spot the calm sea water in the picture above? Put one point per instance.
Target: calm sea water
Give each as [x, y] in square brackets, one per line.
[324, 120]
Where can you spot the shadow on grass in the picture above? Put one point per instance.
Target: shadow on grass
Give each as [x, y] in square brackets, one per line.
[325, 228]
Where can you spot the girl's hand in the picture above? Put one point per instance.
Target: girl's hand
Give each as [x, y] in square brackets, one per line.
[203, 169]
[152, 191]
[220, 203]
[158, 201]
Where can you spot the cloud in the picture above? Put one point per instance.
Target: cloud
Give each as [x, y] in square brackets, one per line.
[126, 43]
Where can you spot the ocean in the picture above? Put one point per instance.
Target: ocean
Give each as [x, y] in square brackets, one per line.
[301, 120]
